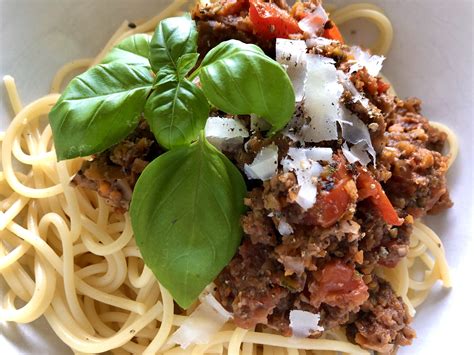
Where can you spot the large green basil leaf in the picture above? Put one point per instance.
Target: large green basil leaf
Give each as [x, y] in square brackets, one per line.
[173, 37]
[99, 108]
[177, 111]
[133, 50]
[185, 212]
[239, 78]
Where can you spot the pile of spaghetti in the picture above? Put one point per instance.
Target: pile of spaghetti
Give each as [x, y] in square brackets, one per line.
[69, 256]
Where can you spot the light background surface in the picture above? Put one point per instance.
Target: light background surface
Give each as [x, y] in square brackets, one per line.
[432, 58]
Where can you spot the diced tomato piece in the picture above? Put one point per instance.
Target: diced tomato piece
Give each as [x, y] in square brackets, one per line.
[339, 286]
[331, 205]
[368, 187]
[338, 277]
[270, 21]
[341, 171]
[333, 33]
[382, 86]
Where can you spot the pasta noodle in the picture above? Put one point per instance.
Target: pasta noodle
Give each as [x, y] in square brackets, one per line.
[67, 255]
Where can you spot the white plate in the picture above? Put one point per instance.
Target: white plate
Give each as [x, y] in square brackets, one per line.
[432, 58]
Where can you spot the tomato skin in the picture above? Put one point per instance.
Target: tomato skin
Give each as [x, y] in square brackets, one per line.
[333, 33]
[270, 21]
[338, 285]
[338, 277]
[368, 187]
[382, 86]
[331, 205]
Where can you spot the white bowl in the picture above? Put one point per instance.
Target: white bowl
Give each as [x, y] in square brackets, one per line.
[431, 58]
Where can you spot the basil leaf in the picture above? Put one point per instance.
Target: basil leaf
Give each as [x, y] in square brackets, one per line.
[173, 37]
[185, 63]
[98, 109]
[176, 111]
[185, 213]
[133, 50]
[238, 78]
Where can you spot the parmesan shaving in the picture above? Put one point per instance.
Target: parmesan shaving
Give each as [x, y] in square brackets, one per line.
[373, 63]
[356, 95]
[291, 54]
[225, 133]
[314, 22]
[303, 323]
[319, 42]
[301, 162]
[206, 320]
[265, 164]
[284, 228]
[356, 154]
[322, 94]
[356, 132]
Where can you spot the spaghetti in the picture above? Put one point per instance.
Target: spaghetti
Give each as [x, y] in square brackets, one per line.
[65, 254]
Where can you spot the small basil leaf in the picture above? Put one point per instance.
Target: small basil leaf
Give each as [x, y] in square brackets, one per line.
[165, 75]
[238, 78]
[173, 37]
[176, 111]
[133, 50]
[98, 109]
[185, 213]
[186, 63]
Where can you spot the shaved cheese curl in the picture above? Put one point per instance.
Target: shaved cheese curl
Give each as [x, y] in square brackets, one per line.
[225, 133]
[373, 63]
[291, 54]
[322, 94]
[201, 325]
[306, 170]
[303, 323]
[265, 164]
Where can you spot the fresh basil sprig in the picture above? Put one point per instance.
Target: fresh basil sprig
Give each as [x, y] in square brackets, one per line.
[185, 214]
[187, 203]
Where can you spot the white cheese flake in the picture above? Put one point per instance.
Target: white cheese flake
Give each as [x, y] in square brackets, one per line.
[303, 323]
[356, 132]
[322, 94]
[356, 154]
[319, 42]
[303, 162]
[265, 164]
[373, 63]
[206, 320]
[284, 228]
[356, 95]
[319, 154]
[225, 133]
[291, 54]
[314, 22]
